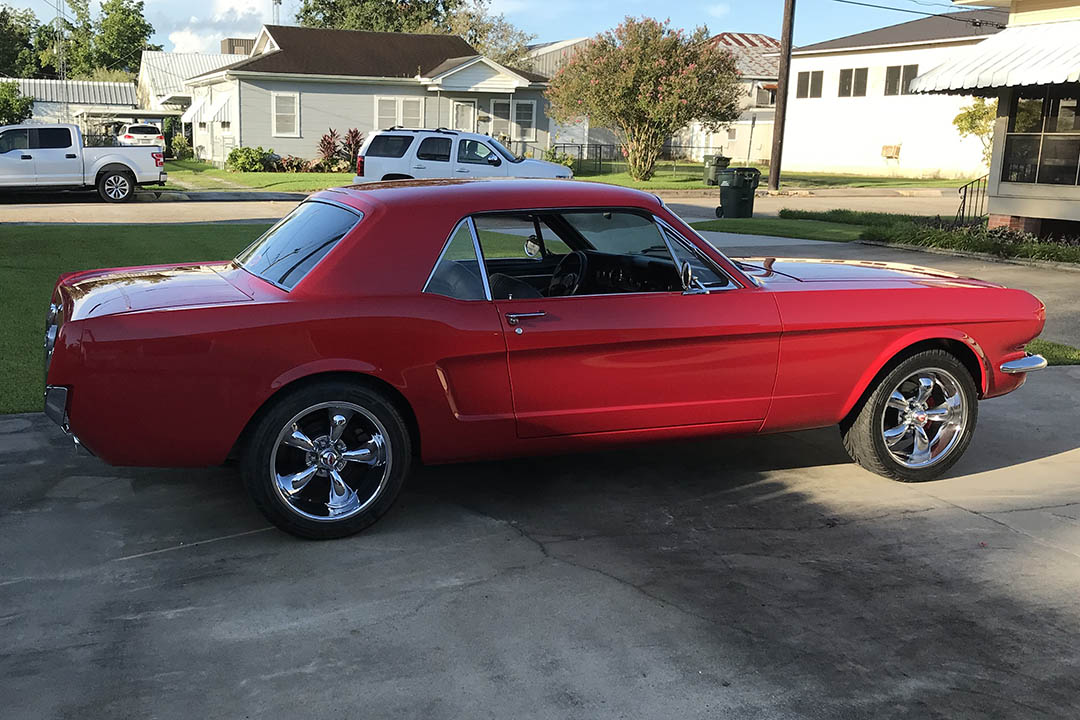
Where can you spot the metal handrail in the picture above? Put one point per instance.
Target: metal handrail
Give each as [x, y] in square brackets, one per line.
[973, 202]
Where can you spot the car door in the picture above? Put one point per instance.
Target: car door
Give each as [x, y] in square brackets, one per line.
[16, 160]
[475, 158]
[635, 360]
[432, 159]
[56, 160]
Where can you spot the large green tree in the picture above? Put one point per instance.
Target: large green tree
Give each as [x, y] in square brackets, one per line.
[14, 108]
[647, 81]
[122, 34]
[17, 28]
[490, 33]
[381, 15]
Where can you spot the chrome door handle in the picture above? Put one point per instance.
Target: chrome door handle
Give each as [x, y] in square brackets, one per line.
[514, 318]
[419, 167]
[461, 170]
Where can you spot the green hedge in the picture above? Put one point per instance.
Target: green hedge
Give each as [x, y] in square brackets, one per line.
[852, 217]
[999, 242]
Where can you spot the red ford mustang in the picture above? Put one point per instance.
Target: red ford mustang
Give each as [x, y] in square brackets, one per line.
[446, 321]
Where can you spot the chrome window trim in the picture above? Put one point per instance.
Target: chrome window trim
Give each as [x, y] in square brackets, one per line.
[732, 283]
[325, 201]
[743, 280]
[479, 260]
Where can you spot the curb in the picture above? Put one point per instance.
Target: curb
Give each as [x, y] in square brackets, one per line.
[218, 196]
[1029, 262]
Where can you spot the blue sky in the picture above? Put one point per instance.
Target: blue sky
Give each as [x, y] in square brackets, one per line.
[193, 25]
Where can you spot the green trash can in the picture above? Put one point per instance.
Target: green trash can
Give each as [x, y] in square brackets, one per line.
[737, 188]
[713, 165]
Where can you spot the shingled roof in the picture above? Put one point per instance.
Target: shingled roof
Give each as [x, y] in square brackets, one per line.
[947, 26]
[756, 55]
[357, 53]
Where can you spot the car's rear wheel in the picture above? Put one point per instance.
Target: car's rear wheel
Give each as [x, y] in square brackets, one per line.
[328, 460]
[917, 421]
[116, 186]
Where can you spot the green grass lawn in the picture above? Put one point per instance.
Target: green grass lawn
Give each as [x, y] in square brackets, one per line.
[34, 256]
[689, 177]
[1055, 353]
[779, 227]
[207, 177]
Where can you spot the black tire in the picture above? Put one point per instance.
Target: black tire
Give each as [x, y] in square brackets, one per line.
[258, 458]
[116, 186]
[863, 431]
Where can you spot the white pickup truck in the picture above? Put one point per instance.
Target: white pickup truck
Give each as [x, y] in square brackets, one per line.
[53, 157]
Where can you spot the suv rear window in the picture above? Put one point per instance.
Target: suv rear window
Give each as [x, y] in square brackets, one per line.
[287, 252]
[143, 130]
[391, 146]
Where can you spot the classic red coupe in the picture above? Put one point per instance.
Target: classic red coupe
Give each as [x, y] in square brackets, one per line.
[441, 321]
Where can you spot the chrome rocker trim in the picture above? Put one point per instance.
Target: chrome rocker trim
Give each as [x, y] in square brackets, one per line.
[1031, 363]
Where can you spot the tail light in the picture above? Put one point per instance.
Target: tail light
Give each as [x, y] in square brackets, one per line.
[129, 137]
[160, 137]
[159, 159]
[360, 166]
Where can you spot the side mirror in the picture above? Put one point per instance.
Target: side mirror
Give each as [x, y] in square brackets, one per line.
[494, 160]
[686, 275]
[532, 248]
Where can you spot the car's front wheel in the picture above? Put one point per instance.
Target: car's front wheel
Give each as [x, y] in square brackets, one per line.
[328, 460]
[917, 421]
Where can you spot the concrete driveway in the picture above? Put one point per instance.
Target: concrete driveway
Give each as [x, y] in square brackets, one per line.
[754, 578]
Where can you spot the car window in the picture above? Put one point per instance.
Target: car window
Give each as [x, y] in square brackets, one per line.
[143, 130]
[457, 272]
[701, 269]
[287, 252]
[434, 148]
[391, 146]
[474, 151]
[14, 140]
[508, 235]
[53, 138]
[618, 233]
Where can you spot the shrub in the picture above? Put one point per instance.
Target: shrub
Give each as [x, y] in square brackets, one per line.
[293, 164]
[1000, 242]
[329, 147]
[852, 217]
[350, 145]
[251, 159]
[559, 157]
[181, 148]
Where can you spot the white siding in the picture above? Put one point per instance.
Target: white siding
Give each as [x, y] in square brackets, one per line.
[847, 134]
[479, 77]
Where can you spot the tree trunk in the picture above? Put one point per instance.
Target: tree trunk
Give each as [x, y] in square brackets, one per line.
[643, 146]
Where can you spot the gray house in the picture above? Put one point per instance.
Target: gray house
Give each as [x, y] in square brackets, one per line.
[299, 82]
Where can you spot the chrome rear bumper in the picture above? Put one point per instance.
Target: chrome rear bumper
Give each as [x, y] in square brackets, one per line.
[56, 398]
[1031, 363]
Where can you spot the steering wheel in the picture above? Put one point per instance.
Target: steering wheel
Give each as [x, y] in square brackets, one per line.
[568, 275]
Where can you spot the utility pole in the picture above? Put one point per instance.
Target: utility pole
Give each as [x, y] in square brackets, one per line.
[782, 95]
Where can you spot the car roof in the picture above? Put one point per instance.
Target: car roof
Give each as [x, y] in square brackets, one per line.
[489, 194]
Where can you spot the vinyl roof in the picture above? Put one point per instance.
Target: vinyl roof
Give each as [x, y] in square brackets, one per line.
[947, 26]
[81, 92]
[1045, 54]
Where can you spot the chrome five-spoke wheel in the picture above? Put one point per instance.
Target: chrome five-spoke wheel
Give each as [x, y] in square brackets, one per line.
[328, 459]
[924, 418]
[331, 461]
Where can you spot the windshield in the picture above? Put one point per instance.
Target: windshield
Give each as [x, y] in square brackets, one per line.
[287, 252]
[503, 151]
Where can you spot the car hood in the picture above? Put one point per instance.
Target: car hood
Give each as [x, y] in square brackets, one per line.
[108, 292]
[541, 169]
[769, 270]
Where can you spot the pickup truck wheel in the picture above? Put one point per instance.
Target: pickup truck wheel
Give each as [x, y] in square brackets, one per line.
[116, 186]
[917, 422]
[328, 460]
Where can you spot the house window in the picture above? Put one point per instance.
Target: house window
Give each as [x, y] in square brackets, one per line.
[898, 79]
[500, 118]
[853, 82]
[225, 125]
[1042, 144]
[464, 115]
[809, 84]
[733, 133]
[285, 114]
[400, 111]
[525, 119]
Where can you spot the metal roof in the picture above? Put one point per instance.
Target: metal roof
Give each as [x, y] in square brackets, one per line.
[944, 27]
[80, 92]
[1023, 55]
[167, 71]
[756, 55]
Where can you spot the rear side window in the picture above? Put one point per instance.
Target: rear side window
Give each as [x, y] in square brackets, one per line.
[457, 274]
[391, 146]
[53, 138]
[288, 251]
[14, 140]
[434, 148]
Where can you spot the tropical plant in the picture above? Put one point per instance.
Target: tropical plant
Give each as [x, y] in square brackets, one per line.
[181, 148]
[293, 164]
[329, 146]
[251, 159]
[350, 145]
[977, 119]
[14, 108]
[647, 81]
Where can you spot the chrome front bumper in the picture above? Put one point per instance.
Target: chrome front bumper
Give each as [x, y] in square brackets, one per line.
[1031, 363]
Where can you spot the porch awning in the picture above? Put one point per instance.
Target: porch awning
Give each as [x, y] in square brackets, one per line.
[1046, 54]
[192, 111]
[219, 111]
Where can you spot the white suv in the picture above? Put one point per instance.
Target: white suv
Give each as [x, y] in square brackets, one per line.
[140, 134]
[404, 154]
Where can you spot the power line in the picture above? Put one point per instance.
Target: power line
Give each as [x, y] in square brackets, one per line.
[974, 22]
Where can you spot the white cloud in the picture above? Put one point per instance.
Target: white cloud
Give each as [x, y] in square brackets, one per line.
[718, 10]
[209, 22]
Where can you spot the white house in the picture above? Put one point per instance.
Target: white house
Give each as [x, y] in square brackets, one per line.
[68, 100]
[1033, 69]
[162, 81]
[850, 109]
